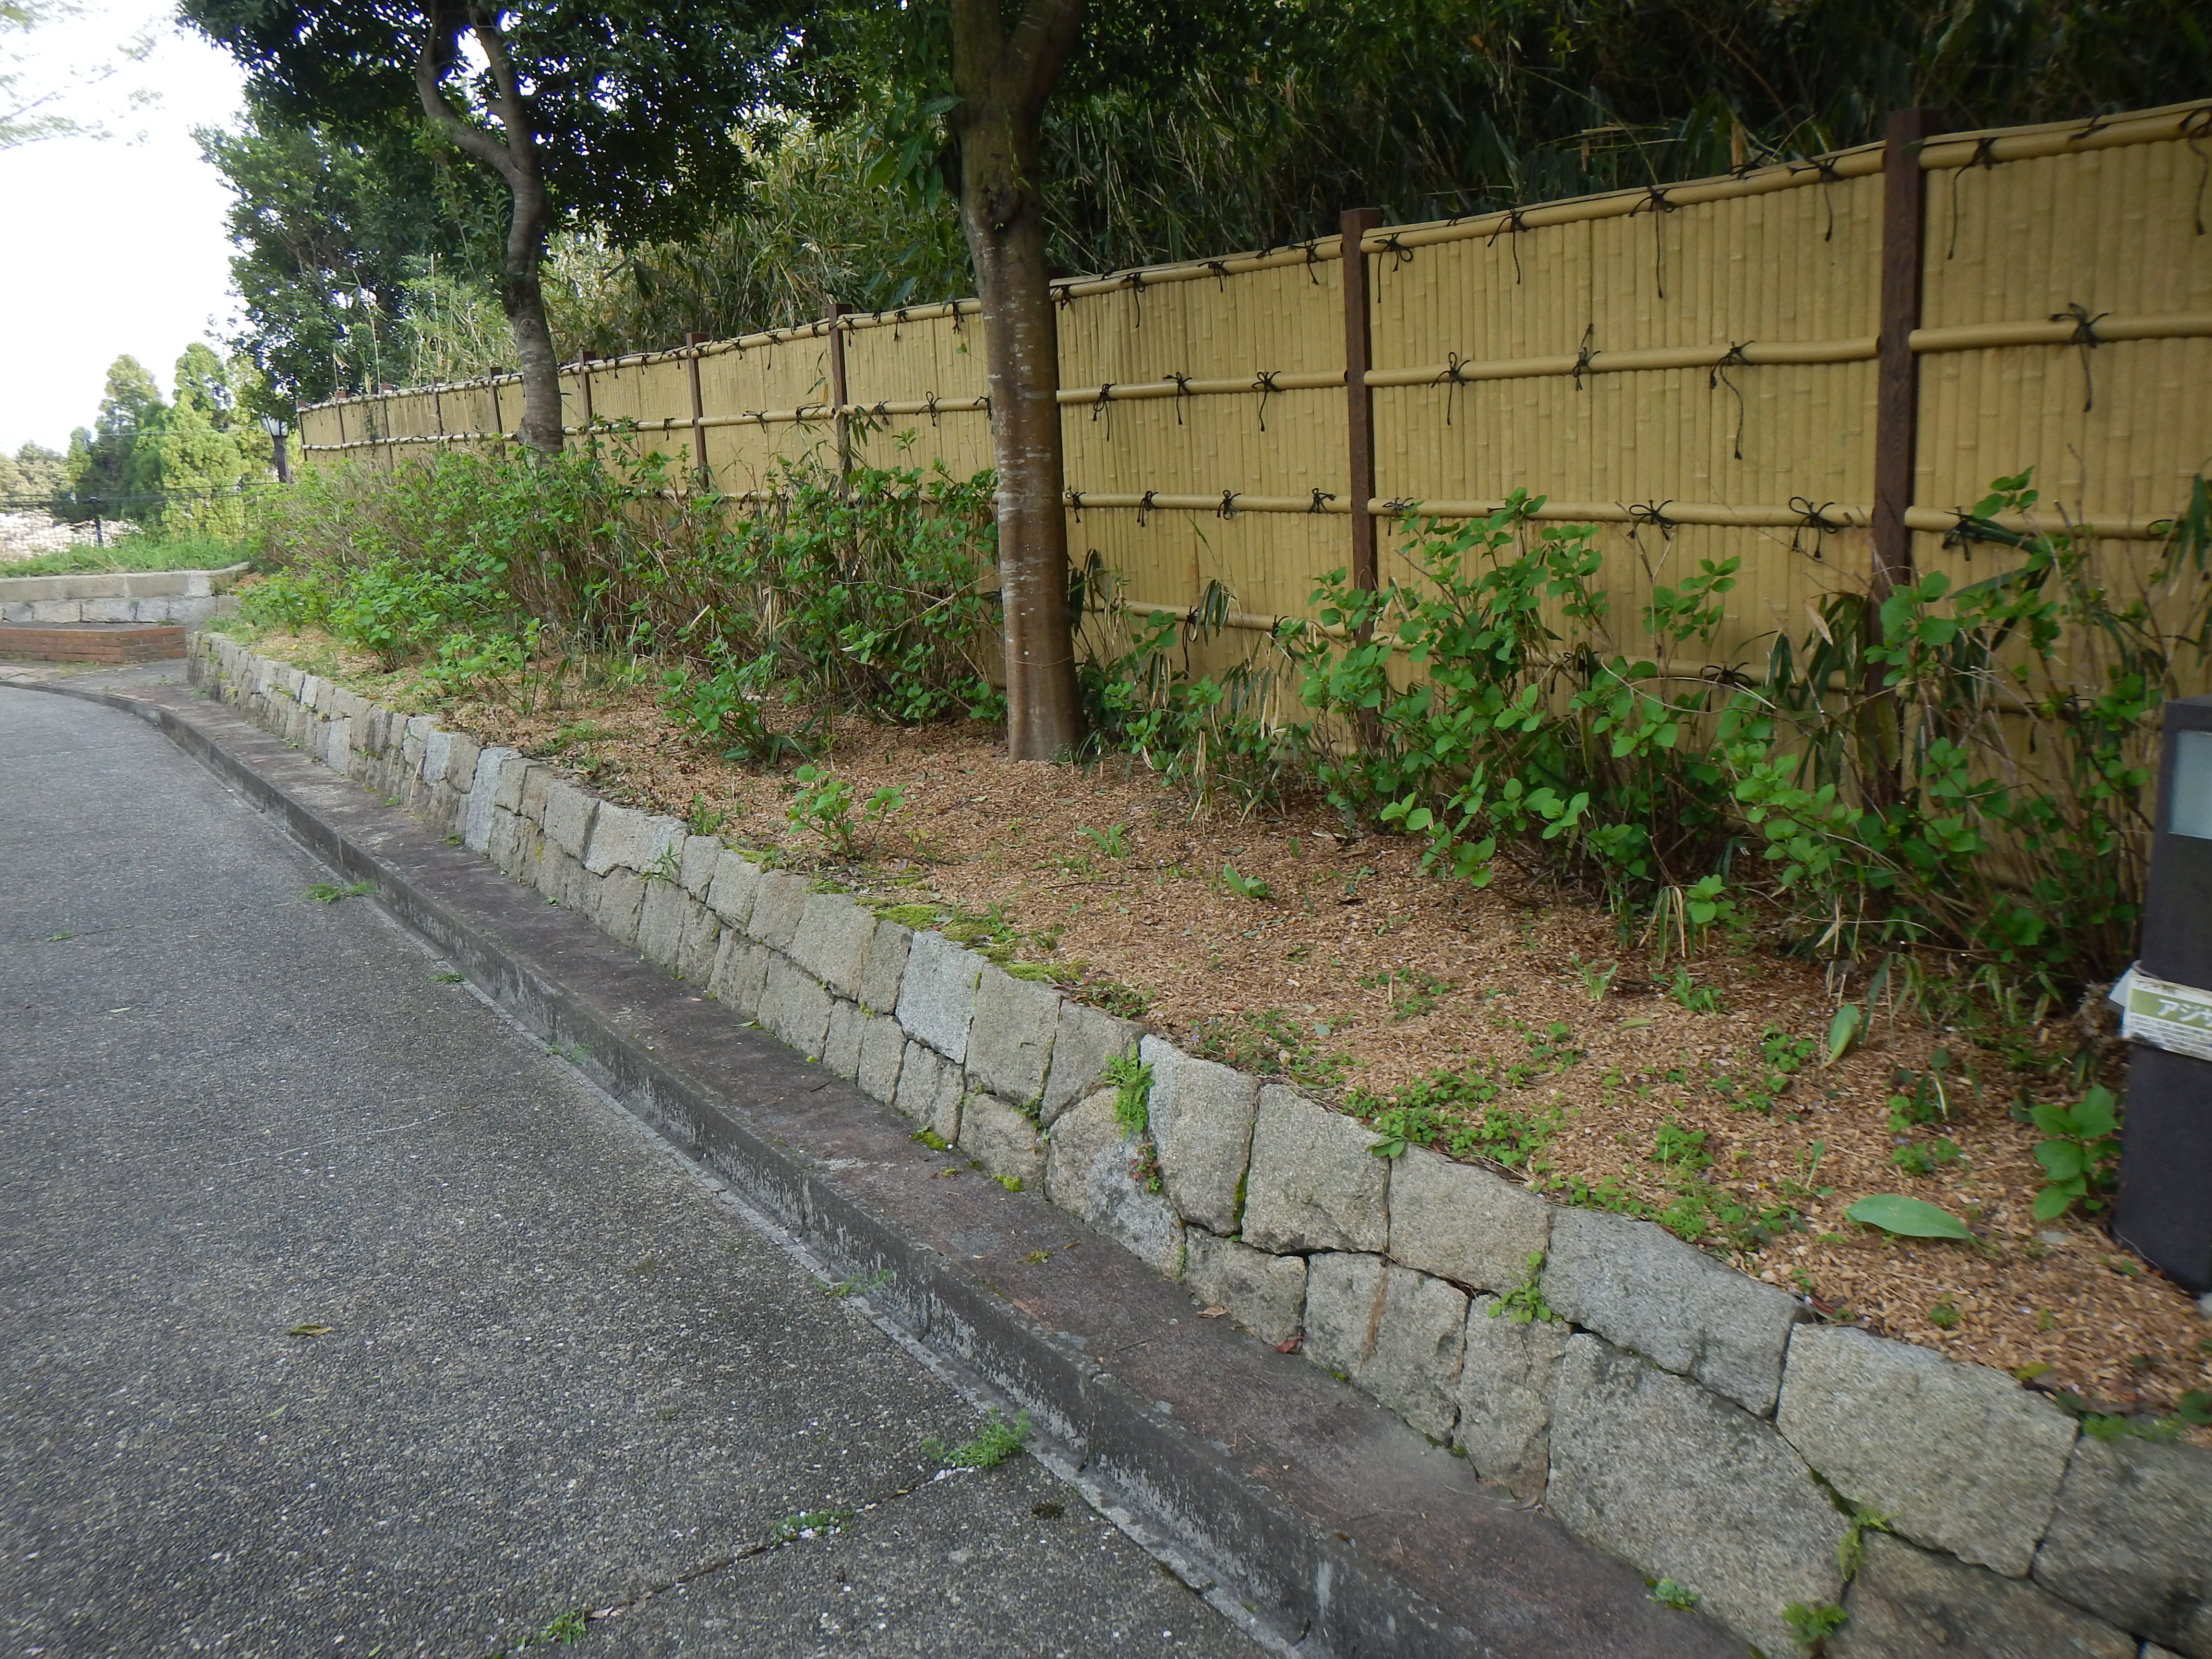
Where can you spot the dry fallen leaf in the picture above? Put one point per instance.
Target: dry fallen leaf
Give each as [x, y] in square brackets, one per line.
[310, 1330]
[1211, 1313]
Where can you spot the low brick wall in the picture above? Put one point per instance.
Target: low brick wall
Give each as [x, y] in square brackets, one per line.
[1680, 1414]
[101, 642]
[188, 598]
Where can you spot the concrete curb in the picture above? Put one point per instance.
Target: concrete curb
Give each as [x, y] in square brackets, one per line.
[1188, 1427]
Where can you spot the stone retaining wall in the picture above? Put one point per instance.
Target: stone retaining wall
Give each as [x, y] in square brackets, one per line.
[1671, 1410]
[187, 597]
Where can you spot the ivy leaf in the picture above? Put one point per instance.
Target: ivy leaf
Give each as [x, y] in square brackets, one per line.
[1914, 1217]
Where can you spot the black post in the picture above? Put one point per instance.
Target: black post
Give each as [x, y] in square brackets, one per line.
[2165, 1205]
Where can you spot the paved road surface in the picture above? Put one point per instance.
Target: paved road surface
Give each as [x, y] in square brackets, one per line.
[555, 1370]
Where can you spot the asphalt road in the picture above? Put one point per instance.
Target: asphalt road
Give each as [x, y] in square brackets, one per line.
[337, 1318]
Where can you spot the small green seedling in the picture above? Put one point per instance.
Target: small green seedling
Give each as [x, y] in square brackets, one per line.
[1813, 1622]
[809, 1523]
[1524, 1304]
[1944, 1316]
[1133, 1093]
[323, 893]
[1114, 843]
[1251, 887]
[2078, 1158]
[1913, 1217]
[449, 979]
[996, 1442]
[1668, 1594]
[860, 1283]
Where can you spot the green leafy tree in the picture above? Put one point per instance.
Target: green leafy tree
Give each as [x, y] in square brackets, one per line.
[102, 465]
[622, 116]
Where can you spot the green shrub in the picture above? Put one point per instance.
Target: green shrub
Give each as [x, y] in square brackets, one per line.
[1966, 770]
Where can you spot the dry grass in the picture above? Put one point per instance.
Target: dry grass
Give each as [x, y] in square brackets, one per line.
[1368, 976]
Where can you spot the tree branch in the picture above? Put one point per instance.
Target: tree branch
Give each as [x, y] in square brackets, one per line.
[1046, 34]
[430, 64]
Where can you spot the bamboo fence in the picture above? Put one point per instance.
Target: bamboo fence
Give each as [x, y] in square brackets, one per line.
[1811, 367]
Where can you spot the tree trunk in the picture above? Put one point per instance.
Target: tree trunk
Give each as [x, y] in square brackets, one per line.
[1003, 81]
[521, 293]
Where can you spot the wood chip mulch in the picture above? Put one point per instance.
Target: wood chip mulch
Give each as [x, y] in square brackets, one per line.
[1357, 975]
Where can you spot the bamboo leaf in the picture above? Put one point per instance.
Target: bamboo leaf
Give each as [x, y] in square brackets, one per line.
[1914, 1217]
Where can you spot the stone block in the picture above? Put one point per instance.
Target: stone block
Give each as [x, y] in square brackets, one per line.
[107, 610]
[841, 1044]
[1087, 1040]
[484, 798]
[1466, 1224]
[1009, 1038]
[562, 878]
[739, 974]
[778, 901]
[702, 937]
[509, 844]
[1687, 1486]
[1395, 1333]
[1505, 1381]
[463, 752]
[623, 838]
[1087, 1174]
[884, 967]
[831, 940]
[883, 1045]
[730, 895]
[660, 924]
[794, 1009]
[2131, 1540]
[615, 902]
[513, 773]
[937, 998]
[437, 750]
[1637, 1285]
[930, 1088]
[1201, 1120]
[1002, 1138]
[1960, 1457]
[1265, 1294]
[1906, 1603]
[1314, 1185]
[694, 867]
[537, 785]
[569, 813]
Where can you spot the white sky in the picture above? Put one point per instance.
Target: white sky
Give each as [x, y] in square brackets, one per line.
[113, 246]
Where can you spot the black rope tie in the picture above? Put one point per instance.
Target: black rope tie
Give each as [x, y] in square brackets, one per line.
[1512, 225]
[1103, 405]
[1399, 253]
[1985, 157]
[1182, 391]
[1719, 377]
[1264, 383]
[1825, 166]
[1220, 269]
[1656, 203]
[1075, 500]
[1313, 263]
[1653, 514]
[957, 327]
[898, 322]
[1321, 497]
[1228, 507]
[1136, 282]
[1812, 518]
[1144, 507]
[1585, 355]
[2095, 125]
[2195, 126]
[2084, 336]
[929, 406]
[1063, 297]
[1452, 380]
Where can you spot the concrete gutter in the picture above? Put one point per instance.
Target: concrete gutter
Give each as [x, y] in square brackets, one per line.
[1263, 1481]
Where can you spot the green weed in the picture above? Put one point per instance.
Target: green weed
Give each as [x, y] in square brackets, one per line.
[324, 892]
[997, 1440]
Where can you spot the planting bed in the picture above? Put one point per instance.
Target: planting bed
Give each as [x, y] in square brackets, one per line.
[1604, 1069]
